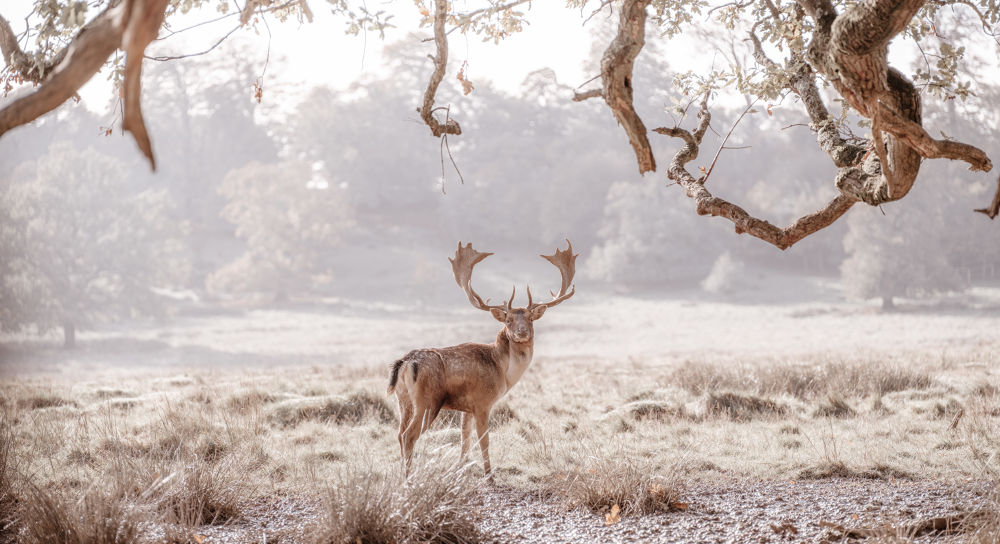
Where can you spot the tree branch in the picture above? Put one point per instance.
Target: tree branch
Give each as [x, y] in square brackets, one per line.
[131, 25]
[586, 95]
[440, 64]
[85, 57]
[15, 58]
[706, 204]
[616, 75]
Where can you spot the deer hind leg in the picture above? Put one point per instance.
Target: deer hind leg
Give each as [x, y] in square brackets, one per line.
[483, 431]
[424, 416]
[467, 421]
[405, 417]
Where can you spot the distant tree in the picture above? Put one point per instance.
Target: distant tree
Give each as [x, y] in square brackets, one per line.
[898, 253]
[290, 217]
[645, 242]
[81, 243]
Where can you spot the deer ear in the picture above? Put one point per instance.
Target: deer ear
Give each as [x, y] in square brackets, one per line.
[499, 314]
[536, 313]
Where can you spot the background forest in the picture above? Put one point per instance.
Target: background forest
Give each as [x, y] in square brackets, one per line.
[283, 206]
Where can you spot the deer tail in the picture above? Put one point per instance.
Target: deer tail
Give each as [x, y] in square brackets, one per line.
[394, 376]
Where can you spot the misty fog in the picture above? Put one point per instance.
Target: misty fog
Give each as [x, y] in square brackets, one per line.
[346, 207]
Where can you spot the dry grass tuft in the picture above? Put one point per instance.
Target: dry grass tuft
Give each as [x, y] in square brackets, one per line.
[837, 469]
[741, 407]
[834, 407]
[38, 401]
[433, 505]
[353, 409]
[250, 400]
[610, 480]
[201, 494]
[654, 410]
[100, 517]
[802, 381]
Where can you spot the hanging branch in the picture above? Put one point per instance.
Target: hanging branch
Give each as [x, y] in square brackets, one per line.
[616, 76]
[450, 126]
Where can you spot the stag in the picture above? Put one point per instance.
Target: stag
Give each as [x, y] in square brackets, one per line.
[470, 378]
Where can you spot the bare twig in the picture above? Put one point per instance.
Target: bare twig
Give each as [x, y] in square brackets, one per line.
[164, 58]
[726, 139]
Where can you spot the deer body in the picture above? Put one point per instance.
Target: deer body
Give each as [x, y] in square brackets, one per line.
[469, 377]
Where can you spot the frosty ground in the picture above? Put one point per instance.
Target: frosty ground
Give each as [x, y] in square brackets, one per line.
[699, 420]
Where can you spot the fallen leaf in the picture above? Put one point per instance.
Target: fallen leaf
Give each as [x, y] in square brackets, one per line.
[679, 505]
[612, 517]
[198, 539]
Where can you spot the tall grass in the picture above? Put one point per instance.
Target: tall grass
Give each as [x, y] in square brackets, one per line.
[100, 517]
[435, 504]
[804, 381]
[8, 500]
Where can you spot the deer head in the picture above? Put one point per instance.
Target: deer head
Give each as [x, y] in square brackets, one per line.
[517, 321]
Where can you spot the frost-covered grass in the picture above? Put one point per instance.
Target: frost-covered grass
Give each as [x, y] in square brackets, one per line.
[169, 450]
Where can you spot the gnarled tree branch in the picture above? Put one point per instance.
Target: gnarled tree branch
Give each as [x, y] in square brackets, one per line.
[450, 126]
[616, 75]
[707, 204]
[850, 50]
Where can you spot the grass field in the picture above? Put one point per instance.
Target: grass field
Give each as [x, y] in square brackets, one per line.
[633, 413]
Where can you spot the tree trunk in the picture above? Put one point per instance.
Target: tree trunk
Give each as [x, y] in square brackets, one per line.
[887, 304]
[69, 334]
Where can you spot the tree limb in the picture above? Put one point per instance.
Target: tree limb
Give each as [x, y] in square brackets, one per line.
[15, 58]
[131, 25]
[616, 75]
[586, 95]
[706, 204]
[85, 56]
[440, 64]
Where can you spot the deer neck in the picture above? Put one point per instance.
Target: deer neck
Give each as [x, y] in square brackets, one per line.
[513, 357]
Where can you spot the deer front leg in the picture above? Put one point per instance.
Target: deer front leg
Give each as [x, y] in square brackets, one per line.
[483, 431]
[467, 421]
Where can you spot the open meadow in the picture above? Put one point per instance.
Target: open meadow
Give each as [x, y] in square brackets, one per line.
[639, 420]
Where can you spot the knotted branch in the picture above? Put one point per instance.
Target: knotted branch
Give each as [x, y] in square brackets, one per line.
[850, 50]
[707, 204]
[616, 76]
[450, 126]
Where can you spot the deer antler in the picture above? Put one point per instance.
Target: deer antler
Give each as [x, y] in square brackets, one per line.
[465, 259]
[565, 261]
